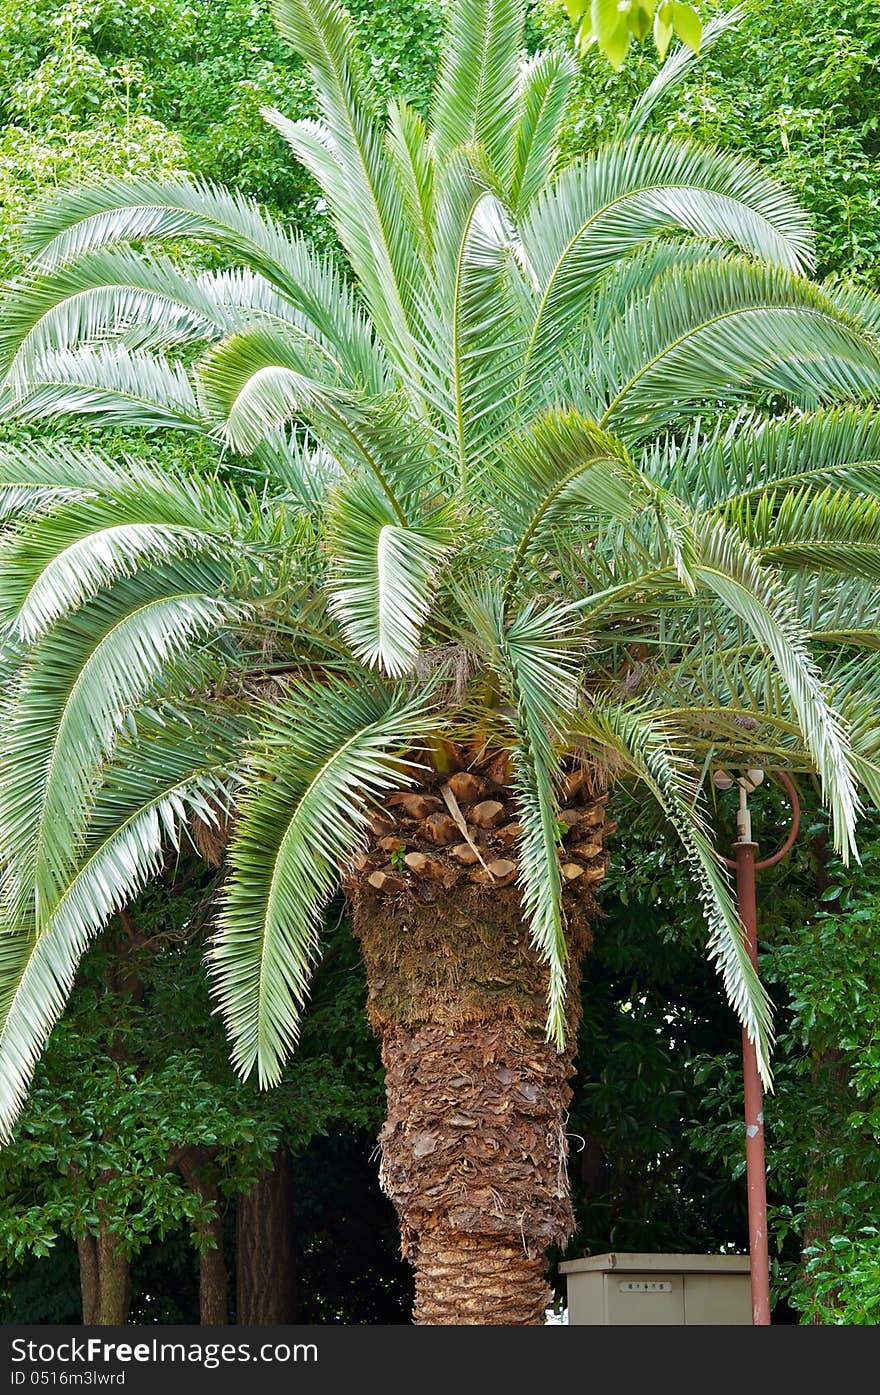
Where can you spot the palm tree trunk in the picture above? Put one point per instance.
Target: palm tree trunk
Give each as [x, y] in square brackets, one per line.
[474, 1147]
[466, 1279]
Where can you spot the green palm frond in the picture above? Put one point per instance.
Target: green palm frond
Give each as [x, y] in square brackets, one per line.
[729, 569]
[129, 387]
[544, 91]
[256, 382]
[630, 734]
[326, 755]
[535, 655]
[70, 701]
[383, 575]
[33, 478]
[415, 167]
[602, 208]
[828, 530]
[357, 182]
[842, 613]
[84, 220]
[55, 562]
[115, 293]
[173, 770]
[726, 329]
[564, 473]
[753, 454]
[476, 98]
[484, 362]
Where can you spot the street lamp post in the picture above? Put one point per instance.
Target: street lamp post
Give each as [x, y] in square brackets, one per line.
[745, 864]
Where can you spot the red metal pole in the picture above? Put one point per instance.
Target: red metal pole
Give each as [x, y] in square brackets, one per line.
[754, 1109]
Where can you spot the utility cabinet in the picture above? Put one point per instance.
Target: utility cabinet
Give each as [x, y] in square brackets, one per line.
[619, 1290]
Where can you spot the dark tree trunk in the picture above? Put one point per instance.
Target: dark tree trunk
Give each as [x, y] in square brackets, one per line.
[197, 1168]
[474, 1148]
[265, 1258]
[115, 1281]
[104, 1280]
[89, 1279]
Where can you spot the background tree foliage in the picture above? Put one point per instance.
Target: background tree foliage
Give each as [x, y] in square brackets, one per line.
[152, 86]
[137, 1076]
[793, 85]
[819, 933]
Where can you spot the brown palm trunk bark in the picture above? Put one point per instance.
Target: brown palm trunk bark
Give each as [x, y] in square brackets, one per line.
[474, 1148]
[265, 1259]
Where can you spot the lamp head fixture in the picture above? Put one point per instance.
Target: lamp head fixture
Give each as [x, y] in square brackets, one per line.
[749, 780]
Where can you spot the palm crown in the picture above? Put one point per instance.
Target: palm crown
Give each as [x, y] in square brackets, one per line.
[494, 481]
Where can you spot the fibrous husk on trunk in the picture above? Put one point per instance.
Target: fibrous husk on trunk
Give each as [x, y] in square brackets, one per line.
[462, 829]
[474, 1147]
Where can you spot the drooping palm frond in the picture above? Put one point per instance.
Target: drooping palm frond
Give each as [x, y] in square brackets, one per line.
[383, 575]
[173, 770]
[631, 735]
[126, 386]
[81, 221]
[117, 293]
[726, 329]
[69, 704]
[813, 530]
[564, 473]
[52, 564]
[32, 479]
[840, 612]
[324, 757]
[535, 655]
[257, 381]
[611, 203]
[729, 569]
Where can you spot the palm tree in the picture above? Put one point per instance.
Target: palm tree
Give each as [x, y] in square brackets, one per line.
[494, 526]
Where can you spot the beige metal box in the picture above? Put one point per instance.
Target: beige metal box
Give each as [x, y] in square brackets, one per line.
[685, 1290]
